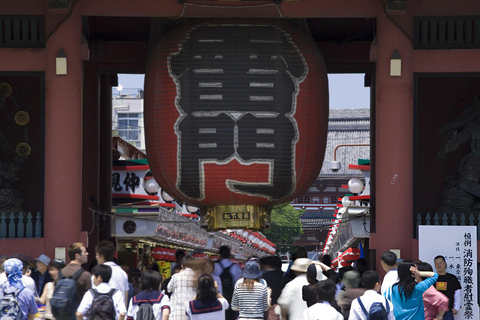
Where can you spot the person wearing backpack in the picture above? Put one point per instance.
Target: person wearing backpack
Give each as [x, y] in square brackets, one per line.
[16, 301]
[371, 305]
[67, 293]
[229, 274]
[322, 310]
[150, 303]
[103, 302]
[104, 253]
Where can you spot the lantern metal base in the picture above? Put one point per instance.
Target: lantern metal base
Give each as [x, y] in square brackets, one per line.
[254, 217]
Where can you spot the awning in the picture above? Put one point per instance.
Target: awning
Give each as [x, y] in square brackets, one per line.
[347, 257]
[352, 228]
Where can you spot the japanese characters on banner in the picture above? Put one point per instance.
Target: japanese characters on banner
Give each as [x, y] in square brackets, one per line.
[458, 244]
[129, 180]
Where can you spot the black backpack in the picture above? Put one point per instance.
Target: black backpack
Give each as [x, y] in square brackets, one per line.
[227, 283]
[102, 305]
[377, 310]
[65, 302]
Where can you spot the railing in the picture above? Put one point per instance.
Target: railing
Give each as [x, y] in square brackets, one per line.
[21, 225]
[452, 219]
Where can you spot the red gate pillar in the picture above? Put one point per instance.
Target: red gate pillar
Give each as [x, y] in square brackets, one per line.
[91, 154]
[63, 137]
[394, 142]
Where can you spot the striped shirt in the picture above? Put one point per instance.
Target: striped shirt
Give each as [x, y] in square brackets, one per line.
[251, 303]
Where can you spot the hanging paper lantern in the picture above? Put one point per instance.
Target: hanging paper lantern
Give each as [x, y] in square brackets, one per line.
[236, 117]
[355, 185]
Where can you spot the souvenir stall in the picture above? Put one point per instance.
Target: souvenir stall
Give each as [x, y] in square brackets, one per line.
[150, 225]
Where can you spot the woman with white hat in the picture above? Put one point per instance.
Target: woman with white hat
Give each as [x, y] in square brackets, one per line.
[290, 299]
[250, 297]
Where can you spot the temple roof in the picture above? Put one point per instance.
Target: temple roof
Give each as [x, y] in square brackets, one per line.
[346, 126]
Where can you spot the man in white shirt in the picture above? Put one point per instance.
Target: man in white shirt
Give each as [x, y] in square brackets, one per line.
[388, 260]
[322, 310]
[104, 253]
[290, 299]
[371, 282]
[101, 275]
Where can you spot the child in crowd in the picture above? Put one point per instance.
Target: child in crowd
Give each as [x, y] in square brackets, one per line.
[150, 300]
[323, 310]
[209, 303]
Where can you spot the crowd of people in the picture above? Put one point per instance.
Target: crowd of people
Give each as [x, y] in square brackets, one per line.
[204, 289]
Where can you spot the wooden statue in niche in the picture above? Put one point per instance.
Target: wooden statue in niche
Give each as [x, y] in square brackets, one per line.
[461, 194]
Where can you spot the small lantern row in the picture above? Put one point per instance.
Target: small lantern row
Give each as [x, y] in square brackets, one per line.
[254, 239]
[355, 186]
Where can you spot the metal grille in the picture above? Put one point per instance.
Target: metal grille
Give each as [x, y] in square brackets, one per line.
[446, 101]
[22, 31]
[22, 142]
[447, 32]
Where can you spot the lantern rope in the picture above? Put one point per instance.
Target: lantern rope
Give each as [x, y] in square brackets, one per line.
[139, 217]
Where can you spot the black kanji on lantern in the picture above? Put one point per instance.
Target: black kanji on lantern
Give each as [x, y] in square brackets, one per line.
[236, 93]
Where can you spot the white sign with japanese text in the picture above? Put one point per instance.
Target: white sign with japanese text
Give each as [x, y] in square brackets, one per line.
[128, 182]
[458, 244]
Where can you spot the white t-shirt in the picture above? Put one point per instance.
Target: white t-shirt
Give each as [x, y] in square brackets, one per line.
[388, 281]
[28, 282]
[291, 297]
[322, 311]
[217, 314]
[118, 300]
[119, 279]
[368, 298]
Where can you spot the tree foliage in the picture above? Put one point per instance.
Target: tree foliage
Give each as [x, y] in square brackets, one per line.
[285, 224]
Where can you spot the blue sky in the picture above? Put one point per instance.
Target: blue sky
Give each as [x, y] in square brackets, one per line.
[346, 90]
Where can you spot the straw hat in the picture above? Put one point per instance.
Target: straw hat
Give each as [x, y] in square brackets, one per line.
[300, 264]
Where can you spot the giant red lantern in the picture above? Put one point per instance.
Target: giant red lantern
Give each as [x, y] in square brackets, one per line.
[236, 116]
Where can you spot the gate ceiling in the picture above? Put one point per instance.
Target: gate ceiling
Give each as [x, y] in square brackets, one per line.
[344, 42]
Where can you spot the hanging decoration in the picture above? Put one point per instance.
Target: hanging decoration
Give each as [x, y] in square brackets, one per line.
[236, 117]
